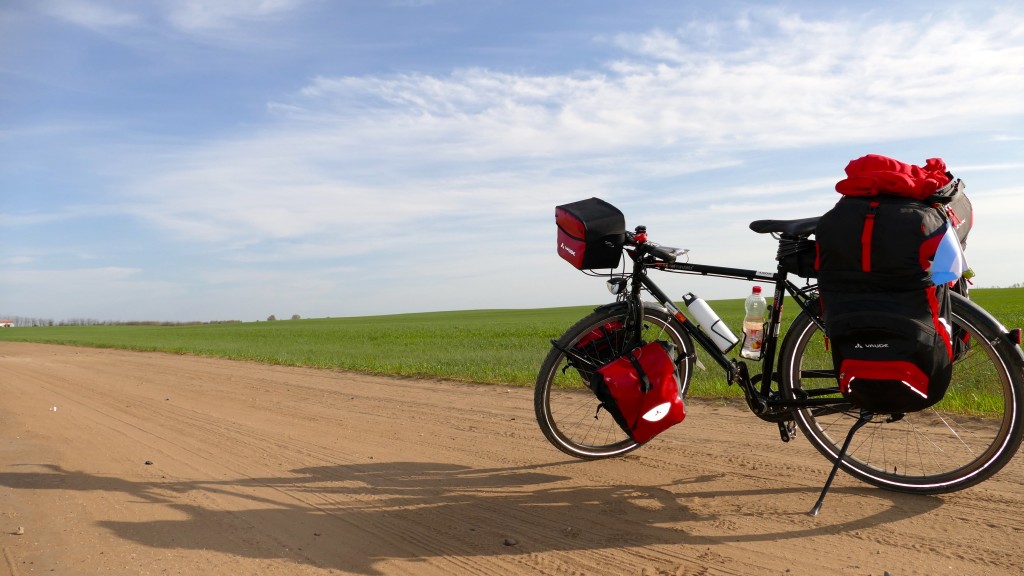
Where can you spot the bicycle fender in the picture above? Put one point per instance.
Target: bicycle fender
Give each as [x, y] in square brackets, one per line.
[996, 326]
[647, 305]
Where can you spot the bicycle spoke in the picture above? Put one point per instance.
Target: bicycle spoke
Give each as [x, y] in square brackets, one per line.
[566, 408]
[958, 442]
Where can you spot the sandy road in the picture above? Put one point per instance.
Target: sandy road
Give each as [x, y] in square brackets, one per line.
[268, 470]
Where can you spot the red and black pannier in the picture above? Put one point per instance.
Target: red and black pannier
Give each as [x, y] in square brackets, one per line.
[886, 318]
[641, 390]
[591, 233]
[602, 342]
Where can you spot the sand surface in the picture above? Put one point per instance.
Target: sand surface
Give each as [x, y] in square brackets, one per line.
[115, 462]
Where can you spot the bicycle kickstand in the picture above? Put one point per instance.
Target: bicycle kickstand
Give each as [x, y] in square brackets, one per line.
[864, 418]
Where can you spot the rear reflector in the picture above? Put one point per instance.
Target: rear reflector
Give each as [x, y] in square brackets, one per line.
[1015, 335]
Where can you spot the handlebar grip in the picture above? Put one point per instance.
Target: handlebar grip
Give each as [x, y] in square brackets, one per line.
[664, 253]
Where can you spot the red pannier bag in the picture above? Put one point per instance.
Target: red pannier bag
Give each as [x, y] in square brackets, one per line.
[591, 233]
[641, 390]
[602, 342]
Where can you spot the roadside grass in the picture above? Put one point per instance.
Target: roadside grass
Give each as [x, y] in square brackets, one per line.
[486, 346]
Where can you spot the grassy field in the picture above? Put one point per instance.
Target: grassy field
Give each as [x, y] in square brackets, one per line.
[489, 346]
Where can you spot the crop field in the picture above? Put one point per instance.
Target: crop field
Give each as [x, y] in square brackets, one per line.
[486, 346]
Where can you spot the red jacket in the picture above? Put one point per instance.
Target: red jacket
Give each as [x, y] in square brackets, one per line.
[873, 174]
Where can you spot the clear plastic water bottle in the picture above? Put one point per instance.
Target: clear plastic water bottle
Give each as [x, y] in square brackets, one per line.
[753, 325]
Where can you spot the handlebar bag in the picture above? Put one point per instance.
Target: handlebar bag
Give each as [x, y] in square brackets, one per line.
[641, 390]
[591, 233]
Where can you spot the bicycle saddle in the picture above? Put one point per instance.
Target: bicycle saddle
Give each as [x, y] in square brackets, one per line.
[799, 227]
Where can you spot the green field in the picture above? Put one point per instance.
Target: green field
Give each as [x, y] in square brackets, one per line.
[488, 346]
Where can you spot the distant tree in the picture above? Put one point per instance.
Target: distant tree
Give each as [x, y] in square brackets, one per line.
[271, 318]
[296, 317]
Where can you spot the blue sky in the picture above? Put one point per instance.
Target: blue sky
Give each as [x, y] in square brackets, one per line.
[229, 159]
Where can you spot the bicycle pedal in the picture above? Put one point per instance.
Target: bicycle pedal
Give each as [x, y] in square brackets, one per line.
[787, 430]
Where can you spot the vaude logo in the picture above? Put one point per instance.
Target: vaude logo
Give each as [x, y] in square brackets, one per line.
[862, 346]
[566, 248]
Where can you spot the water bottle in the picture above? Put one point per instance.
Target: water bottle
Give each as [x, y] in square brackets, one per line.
[710, 323]
[753, 325]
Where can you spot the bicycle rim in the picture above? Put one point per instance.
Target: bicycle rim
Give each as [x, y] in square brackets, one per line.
[568, 412]
[962, 440]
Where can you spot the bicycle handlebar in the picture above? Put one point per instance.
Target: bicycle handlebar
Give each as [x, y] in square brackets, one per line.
[665, 253]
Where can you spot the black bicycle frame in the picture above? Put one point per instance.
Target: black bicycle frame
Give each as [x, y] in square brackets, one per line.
[760, 399]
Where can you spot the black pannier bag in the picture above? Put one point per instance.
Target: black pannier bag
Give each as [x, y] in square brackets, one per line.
[891, 354]
[640, 389]
[886, 321]
[591, 233]
[954, 201]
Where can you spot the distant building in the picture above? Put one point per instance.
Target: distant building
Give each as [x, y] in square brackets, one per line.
[6, 323]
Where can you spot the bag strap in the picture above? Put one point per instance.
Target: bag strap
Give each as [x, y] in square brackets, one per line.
[645, 382]
[866, 236]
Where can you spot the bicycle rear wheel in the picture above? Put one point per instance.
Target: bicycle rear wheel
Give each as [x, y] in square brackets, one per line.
[964, 439]
[567, 409]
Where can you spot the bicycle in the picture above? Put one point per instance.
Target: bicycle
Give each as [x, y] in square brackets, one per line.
[961, 441]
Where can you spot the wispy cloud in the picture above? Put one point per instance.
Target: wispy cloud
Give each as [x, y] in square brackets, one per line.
[215, 15]
[391, 176]
[205, 19]
[386, 151]
[89, 14]
[784, 82]
[1016, 166]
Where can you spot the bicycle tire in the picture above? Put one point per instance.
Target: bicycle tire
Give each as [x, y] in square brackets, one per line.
[568, 411]
[961, 441]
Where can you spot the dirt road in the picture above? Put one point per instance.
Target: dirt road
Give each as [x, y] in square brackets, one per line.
[135, 463]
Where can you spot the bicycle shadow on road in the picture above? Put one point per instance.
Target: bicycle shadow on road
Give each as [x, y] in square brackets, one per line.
[355, 517]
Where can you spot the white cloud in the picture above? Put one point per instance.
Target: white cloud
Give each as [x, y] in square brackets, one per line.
[17, 260]
[421, 176]
[213, 15]
[805, 83]
[388, 151]
[1003, 167]
[94, 15]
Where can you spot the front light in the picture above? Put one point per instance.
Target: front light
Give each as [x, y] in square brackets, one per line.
[616, 285]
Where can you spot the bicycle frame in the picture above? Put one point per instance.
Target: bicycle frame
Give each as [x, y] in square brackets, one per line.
[762, 400]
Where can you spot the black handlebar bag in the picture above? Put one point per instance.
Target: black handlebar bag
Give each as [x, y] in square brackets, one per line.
[591, 233]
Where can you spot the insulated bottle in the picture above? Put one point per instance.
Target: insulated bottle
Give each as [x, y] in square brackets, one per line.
[710, 323]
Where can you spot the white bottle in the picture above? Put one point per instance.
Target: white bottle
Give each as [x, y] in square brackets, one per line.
[753, 325]
[710, 323]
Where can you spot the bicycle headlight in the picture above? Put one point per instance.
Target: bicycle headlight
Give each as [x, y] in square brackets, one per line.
[616, 285]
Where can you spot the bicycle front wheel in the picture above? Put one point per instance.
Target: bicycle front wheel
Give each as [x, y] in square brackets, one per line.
[964, 439]
[567, 410]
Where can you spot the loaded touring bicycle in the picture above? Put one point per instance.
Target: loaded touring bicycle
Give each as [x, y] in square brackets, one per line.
[923, 397]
